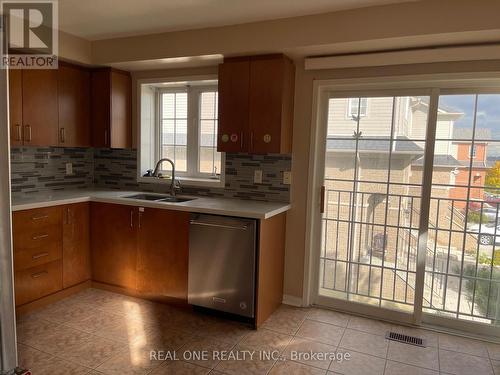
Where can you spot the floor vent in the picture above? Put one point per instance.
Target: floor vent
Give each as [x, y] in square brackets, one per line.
[405, 339]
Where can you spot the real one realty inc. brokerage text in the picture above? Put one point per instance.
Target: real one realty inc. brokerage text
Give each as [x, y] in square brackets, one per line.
[244, 355]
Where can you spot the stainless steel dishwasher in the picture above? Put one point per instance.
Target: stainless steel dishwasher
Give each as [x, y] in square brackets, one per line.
[222, 252]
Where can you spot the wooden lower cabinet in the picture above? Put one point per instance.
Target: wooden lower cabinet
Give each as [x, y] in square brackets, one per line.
[113, 238]
[36, 282]
[141, 249]
[76, 244]
[162, 253]
[51, 250]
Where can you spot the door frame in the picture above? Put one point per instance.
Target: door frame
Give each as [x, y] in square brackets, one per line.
[438, 84]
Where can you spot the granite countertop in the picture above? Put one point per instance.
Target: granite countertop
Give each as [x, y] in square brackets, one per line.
[207, 205]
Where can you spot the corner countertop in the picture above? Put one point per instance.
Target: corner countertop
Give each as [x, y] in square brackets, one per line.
[206, 205]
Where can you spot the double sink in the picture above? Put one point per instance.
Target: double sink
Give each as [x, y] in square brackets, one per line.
[159, 198]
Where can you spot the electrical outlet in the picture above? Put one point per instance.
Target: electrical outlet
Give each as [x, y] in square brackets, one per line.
[257, 177]
[69, 169]
[287, 178]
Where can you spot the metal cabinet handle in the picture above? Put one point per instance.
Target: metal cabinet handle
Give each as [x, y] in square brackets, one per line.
[39, 274]
[241, 141]
[105, 138]
[38, 256]
[40, 236]
[131, 218]
[40, 217]
[28, 136]
[139, 217]
[194, 222]
[251, 140]
[62, 135]
[18, 133]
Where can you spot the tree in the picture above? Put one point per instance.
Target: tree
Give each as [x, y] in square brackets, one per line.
[492, 180]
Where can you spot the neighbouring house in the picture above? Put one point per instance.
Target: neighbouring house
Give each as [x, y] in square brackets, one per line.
[473, 164]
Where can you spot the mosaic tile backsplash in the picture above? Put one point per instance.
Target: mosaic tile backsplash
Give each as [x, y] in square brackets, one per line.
[38, 170]
[116, 169]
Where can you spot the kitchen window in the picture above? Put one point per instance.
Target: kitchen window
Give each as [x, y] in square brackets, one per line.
[179, 121]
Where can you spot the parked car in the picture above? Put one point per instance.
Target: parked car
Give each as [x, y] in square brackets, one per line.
[487, 233]
[491, 213]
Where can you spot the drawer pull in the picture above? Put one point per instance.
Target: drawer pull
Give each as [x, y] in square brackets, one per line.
[40, 217]
[40, 236]
[39, 274]
[38, 256]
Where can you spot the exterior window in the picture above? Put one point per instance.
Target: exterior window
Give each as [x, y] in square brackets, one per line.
[357, 106]
[473, 151]
[209, 160]
[174, 118]
[188, 130]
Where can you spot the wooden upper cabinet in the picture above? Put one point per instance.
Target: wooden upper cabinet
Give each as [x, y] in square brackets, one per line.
[111, 102]
[234, 81]
[256, 104]
[113, 238]
[40, 109]
[271, 104]
[76, 243]
[16, 107]
[162, 257]
[74, 106]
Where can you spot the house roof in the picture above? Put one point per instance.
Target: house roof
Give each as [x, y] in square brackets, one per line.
[374, 144]
[466, 134]
[478, 164]
[440, 161]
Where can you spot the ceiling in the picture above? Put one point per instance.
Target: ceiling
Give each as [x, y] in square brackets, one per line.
[102, 19]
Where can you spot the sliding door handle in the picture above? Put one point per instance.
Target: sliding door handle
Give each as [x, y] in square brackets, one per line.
[322, 200]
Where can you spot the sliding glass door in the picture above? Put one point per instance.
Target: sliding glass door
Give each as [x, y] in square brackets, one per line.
[410, 206]
[462, 268]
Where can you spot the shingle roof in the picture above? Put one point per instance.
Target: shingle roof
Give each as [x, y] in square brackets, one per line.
[466, 134]
[440, 161]
[478, 164]
[374, 144]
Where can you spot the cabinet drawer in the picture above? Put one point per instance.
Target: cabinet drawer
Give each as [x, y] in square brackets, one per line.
[38, 238]
[28, 258]
[37, 282]
[36, 219]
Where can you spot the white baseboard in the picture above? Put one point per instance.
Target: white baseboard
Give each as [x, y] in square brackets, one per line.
[292, 300]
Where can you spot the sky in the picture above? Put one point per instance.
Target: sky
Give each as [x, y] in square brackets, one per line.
[488, 115]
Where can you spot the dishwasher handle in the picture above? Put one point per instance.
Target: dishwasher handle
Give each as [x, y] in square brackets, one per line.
[203, 223]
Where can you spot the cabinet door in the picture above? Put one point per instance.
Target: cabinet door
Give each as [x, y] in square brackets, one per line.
[114, 244]
[74, 106]
[76, 244]
[121, 102]
[266, 87]
[162, 261]
[100, 84]
[40, 110]
[16, 107]
[234, 79]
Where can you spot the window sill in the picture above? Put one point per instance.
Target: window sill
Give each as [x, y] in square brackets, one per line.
[186, 181]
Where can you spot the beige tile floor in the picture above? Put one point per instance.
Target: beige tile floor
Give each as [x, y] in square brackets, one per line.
[97, 332]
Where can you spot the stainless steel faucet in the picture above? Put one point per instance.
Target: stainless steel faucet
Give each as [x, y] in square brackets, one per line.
[172, 181]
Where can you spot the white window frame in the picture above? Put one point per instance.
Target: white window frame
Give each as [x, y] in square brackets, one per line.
[472, 151]
[186, 84]
[351, 106]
